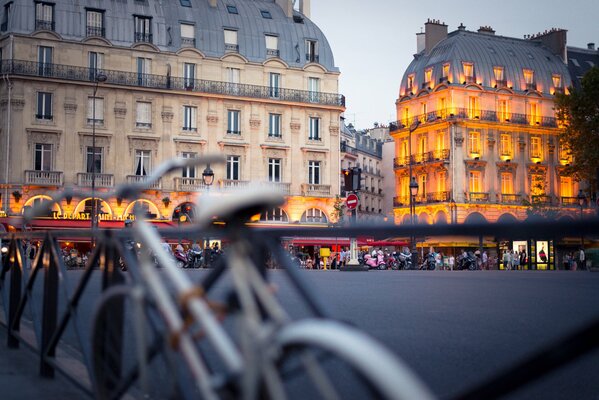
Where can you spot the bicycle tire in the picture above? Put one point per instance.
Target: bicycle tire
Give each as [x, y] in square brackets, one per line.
[363, 360]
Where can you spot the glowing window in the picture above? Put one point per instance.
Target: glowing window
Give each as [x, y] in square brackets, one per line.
[507, 183]
[474, 182]
[428, 75]
[474, 144]
[468, 71]
[505, 145]
[473, 109]
[410, 83]
[535, 147]
[503, 110]
[529, 76]
[445, 71]
[498, 73]
[557, 81]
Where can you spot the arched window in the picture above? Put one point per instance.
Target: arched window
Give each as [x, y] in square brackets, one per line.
[274, 215]
[314, 215]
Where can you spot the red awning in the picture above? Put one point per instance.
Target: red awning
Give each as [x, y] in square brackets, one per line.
[344, 241]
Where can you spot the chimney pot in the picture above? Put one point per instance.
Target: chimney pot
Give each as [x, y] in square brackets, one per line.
[591, 46]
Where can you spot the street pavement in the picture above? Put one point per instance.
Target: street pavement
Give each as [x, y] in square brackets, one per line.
[453, 328]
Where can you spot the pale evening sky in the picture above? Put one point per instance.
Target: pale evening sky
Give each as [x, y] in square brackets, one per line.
[373, 41]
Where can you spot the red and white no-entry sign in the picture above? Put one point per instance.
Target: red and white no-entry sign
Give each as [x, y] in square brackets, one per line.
[351, 201]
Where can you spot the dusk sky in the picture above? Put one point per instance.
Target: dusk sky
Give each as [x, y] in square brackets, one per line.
[374, 41]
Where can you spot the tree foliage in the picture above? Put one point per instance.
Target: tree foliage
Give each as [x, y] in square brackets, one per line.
[578, 113]
[339, 211]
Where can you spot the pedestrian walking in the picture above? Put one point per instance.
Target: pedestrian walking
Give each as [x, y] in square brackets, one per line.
[451, 262]
[485, 258]
[506, 260]
[582, 259]
[566, 261]
[516, 261]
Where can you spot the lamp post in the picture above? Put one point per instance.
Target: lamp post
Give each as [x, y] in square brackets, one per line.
[413, 183]
[208, 179]
[98, 77]
[581, 200]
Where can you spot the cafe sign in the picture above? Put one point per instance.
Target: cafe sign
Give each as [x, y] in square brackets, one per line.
[82, 216]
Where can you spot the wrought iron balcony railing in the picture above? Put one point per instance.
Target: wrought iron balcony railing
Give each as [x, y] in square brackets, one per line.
[73, 73]
[43, 25]
[422, 158]
[531, 86]
[501, 83]
[474, 115]
[569, 201]
[101, 180]
[478, 197]
[437, 197]
[272, 52]
[143, 37]
[95, 31]
[510, 198]
[231, 47]
[45, 178]
[188, 42]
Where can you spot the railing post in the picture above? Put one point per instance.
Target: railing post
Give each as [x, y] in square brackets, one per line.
[15, 293]
[50, 307]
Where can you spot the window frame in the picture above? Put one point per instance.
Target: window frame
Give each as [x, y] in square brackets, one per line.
[44, 103]
[233, 122]
[314, 172]
[275, 170]
[190, 117]
[233, 168]
[314, 132]
[274, 125]
[140, 165]
[43, 149]
[99, 159]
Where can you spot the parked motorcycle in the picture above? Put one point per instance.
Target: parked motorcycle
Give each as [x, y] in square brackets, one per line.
[393, 261]
[467, 261]
[195, 258]
[429, 262]
[181, 259]
[405, 260]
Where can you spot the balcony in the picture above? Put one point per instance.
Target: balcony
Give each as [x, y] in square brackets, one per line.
[422, 158]
[531, 86]
[188, 42]
[43, 178]
[312, 57]
[510, 198]
[474, 115]
[569, 201]
[142, 179]
[540, 199]
[401, 201]
[501, 83]
[143, 37]
[272, 52]
[165, 82]
[281, 187]
[42, 25]
[437, 197]
[478, 197]
[102, 180]
[188, 184]
[233, 184]
[309, 189]
[232, 47]
[95, 31]
[469, 79]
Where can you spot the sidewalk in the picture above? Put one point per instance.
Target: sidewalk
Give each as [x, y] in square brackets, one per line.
[20, 379]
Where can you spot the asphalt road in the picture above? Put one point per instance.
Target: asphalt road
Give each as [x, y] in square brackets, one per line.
[453, 328]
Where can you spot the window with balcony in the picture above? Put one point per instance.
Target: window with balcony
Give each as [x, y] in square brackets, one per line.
[96, 63]
[475, 182]
[95, 23]
[233, 77]
[404, 187]
[44, 59]
[474, 144]
[143, 70]
[142, 162]
[274, 125]
[312, 51]
[314, 129]
[95, 110]
[534, 114]
[233, 168]
[190, 117]
[422, 144]
[188, 34]
[231, 40]
[404, 149]
[423, 111]
[142, 29]
[274, 84]
[274, 170]
[189, 171]
[6, 17]
[442, 181]
[42, 160]
[44, 106]
[507, 183]
[442, 112]
[410, 83]
[505, 145]
[314, 215]
[272, 45]
[314, 89]
[44, 16]
[536, 150]
[93, 160]
[428, 76]
[473, 107]
[566, 187]
[189, 75]
[498, 74]
[314, 172]
[557, 82]
[440, 145]
[406, 116]
[422, 186]
[503, 110]
[529, 79]
[468, 72]
[233, 118]
[143, 115]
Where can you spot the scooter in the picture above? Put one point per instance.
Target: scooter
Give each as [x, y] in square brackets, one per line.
[195, 258]
[429, 262]
[181, 259]
[375, 263]
[468, 262]
[405, 260]
[393, 261]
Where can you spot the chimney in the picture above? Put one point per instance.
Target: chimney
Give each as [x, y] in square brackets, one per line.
[487, 30]
[555, 39]
[591, 46]
[462, 27]
[286, 5]
[420, 42]
[304, 7]
[434, 32]
[212, 3]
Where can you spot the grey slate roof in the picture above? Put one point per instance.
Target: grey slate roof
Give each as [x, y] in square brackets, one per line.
[167, 15]
[580, 61]
[486, 51]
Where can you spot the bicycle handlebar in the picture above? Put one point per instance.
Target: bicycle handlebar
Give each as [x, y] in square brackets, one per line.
[126, 190]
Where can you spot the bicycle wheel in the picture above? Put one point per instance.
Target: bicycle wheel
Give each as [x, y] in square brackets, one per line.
[328, 360]
[128, 357]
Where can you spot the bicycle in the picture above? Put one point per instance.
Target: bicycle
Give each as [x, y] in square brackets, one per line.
[241, 345]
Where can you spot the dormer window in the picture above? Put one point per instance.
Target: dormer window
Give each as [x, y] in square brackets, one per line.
[265, 14]
[232, 9]
[44, 16]
[410, 83]
[143, 28]
[468, 72]
[272, 45]
[95, 23]
[311, 51]
[498, 73]
[188, 35]
[428, 75]
[557, 83]
[445, 76]
[231, 40]
[529, 79]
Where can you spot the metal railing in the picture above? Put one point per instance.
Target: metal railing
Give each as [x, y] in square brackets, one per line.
[422, 158]
[101, 180]
[569, 201]
[309, 189]
[437, 197]
[188, 184]
[166, 82]
[44, 178]
[541, 199]
[43, 25]
[478, 197]
[510, 198]
[143, 178]
[143, 37]
[188, 42]
[474, 115]
[95, 31]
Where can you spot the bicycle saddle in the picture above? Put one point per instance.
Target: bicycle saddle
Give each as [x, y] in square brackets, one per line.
[237, 206]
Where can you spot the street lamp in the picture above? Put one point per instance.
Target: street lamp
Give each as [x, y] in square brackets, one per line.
[413, 183]
[208, 179]
[98, 77]
[581, 200]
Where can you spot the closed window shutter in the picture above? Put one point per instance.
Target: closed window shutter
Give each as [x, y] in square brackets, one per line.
[100, 109]
[187, 31]
[143, 112]
[272, 42]
[90, 108]
[230, 36]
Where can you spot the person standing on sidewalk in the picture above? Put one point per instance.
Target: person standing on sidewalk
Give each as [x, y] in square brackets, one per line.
[582, 264]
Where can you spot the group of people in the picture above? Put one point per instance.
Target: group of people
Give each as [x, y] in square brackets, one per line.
[575, 261]
[514, 259]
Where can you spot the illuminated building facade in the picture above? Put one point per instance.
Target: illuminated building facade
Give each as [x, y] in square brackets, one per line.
[252, 80]
[478, 109]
